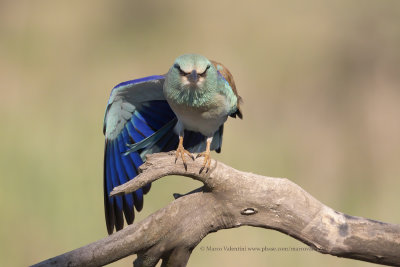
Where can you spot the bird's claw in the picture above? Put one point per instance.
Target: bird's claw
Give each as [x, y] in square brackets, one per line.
[180, 150]
[207, 161]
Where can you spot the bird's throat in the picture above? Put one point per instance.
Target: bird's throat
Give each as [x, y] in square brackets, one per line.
[189, 95]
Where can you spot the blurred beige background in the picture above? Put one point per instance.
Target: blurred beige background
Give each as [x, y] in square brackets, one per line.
[320, 81]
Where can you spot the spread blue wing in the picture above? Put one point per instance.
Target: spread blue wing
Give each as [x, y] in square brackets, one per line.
[136, 110]
[138, 121]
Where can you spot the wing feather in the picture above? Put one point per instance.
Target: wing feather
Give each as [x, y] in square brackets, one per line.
[229, 78]
[131, 116]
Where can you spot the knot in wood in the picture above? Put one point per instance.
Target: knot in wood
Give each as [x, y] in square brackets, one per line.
[248, 211]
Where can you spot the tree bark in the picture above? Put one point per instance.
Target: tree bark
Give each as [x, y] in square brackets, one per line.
[229, 199]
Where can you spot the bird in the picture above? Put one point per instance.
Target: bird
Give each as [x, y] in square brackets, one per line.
[183, 110]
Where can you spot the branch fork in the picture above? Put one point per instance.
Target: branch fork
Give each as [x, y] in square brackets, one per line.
[228, 199]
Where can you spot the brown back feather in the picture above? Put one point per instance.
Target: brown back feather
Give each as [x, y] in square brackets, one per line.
[229, 78]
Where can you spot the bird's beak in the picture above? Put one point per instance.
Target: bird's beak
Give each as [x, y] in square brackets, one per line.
[193, 77]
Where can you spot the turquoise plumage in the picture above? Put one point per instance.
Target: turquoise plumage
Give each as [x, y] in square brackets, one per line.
[183, 110]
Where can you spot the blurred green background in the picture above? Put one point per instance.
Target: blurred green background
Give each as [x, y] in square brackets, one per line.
[320, 81]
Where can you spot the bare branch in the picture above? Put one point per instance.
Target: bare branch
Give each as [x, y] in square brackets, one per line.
[234, 198]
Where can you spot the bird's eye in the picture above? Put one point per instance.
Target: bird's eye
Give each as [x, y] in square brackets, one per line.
[204, 72]
[181, 72]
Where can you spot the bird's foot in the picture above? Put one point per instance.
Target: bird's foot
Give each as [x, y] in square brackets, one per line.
[182, 151]
[207, 160]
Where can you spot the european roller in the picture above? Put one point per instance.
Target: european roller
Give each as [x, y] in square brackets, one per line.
[183, 110]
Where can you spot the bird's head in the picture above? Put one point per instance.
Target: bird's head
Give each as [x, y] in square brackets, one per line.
[192, 72]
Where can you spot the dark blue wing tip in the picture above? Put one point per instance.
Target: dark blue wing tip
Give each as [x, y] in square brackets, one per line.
[145, 79]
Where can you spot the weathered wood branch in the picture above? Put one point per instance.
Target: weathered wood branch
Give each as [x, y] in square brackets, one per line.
[228, 199]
